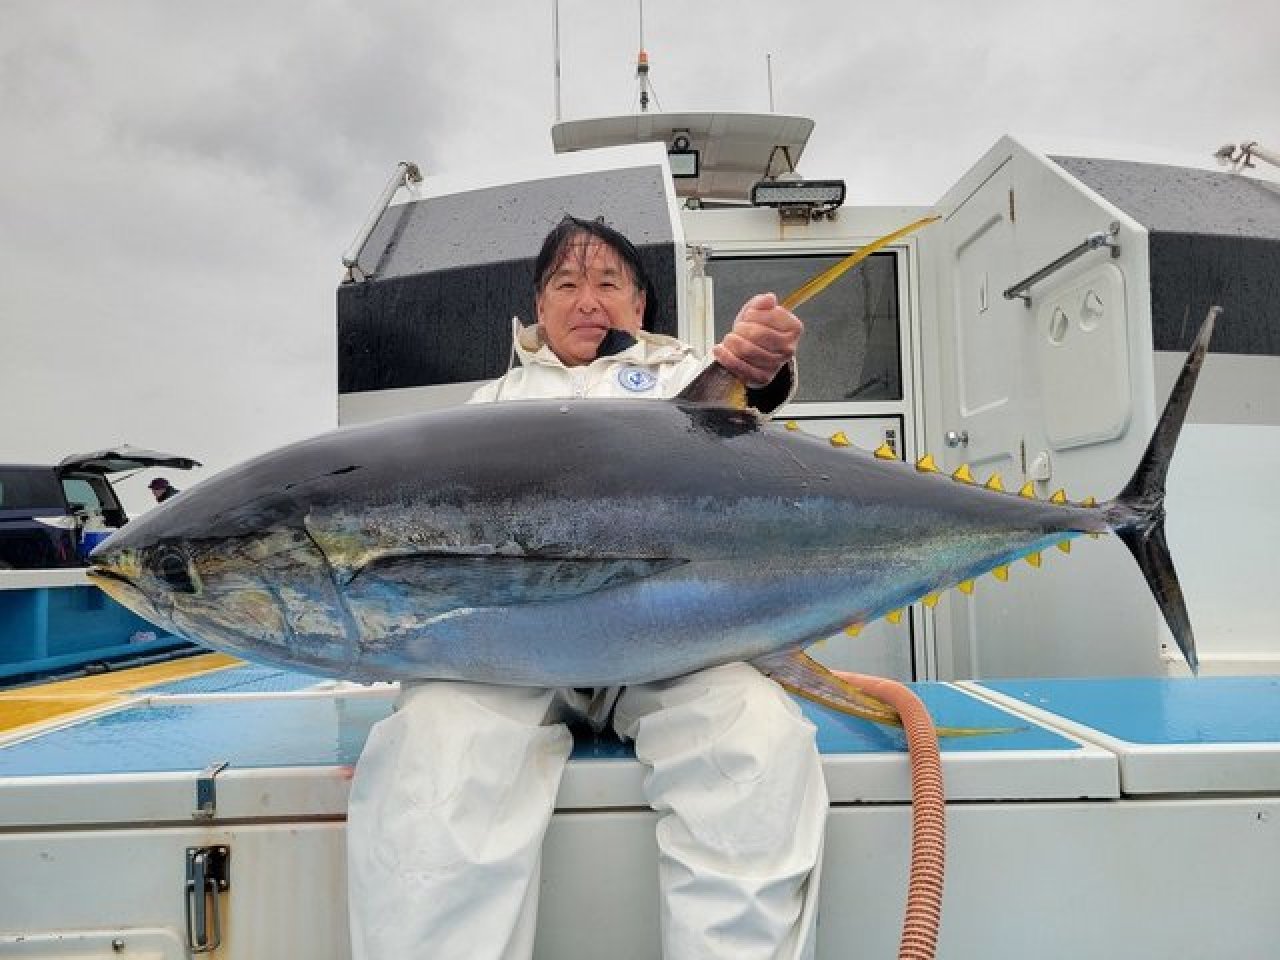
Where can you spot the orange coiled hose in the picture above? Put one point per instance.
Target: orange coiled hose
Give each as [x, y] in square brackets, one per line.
[928, 816]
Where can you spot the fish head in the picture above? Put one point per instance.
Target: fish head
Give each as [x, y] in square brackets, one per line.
[128, 575]
[256, 586]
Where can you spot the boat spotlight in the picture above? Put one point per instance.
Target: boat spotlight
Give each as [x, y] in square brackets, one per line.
[799, 199]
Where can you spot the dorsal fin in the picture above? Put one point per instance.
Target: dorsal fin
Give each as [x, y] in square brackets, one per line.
[717, 386]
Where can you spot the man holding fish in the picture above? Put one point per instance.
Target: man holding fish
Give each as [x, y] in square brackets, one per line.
[454, 791]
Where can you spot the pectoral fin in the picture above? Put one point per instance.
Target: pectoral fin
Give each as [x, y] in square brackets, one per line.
[799, 673]
[450, 581]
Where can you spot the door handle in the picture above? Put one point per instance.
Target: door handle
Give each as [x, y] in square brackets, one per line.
[955, 438]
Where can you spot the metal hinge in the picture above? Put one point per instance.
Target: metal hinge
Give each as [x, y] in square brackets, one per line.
[208, 875]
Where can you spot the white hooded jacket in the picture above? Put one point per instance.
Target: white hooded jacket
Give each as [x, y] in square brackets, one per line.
[654, 367]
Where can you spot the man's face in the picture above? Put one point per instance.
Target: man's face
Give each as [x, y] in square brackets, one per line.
[589, 292]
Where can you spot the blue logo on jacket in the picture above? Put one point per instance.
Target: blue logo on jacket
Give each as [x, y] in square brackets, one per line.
[636, 379]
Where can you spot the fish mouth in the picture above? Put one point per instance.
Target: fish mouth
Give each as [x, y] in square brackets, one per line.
[126, 593]
[107, 574]
[116, 585]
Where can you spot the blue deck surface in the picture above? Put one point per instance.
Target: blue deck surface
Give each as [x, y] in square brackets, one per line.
[949, 707]
[291, 732]
[840, 734]
[250, 678]
[173, 737]
[1150, 710]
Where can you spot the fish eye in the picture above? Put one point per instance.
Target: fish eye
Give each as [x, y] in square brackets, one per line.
[171, 566]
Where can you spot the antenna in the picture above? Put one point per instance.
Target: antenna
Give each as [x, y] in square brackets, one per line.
[555, 42]
[768, 65]
[642, 70]
[1242, 156]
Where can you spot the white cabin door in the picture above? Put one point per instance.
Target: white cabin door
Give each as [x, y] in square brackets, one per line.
[1050, 390]
[979, 372]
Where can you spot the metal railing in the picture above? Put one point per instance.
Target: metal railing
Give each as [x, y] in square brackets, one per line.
[1093, 241]
[406, 173]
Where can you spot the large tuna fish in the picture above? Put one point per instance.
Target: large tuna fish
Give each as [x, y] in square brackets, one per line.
[587, 543]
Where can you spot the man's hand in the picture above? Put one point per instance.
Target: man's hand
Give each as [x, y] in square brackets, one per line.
[763, 339]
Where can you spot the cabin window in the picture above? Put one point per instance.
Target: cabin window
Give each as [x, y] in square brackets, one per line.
[851, 349]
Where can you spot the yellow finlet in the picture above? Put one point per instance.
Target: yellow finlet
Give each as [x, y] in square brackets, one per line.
[1028, 490]
[926, 464]
[838, 439]
[930, 600]
[995, 483]
[791, 425]
[1059, 496]
[1033, 559]
[963, 474]
[885, 452]
[965, 587]
[1001, 573]
[1064, 546]
[853, 629]
[894, 617]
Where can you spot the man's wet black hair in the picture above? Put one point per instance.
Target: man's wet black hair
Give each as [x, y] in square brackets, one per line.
[571, 230]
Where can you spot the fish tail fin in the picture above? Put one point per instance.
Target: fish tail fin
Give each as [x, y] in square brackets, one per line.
[1137, 514]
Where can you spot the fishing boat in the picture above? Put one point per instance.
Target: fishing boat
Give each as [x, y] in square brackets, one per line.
[1031, 332]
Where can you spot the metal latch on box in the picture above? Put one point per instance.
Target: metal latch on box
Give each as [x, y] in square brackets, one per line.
[207, 791]
[208, 875]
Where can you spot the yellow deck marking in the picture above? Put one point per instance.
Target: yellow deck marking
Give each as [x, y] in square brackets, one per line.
[64, 699]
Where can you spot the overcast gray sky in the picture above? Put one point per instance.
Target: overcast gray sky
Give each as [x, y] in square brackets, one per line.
[178, 180]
